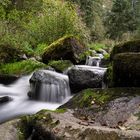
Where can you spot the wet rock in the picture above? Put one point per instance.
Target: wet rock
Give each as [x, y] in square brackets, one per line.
[49, 86]
[5, 99]
[66, 48]
[82, 77]
[7, 79]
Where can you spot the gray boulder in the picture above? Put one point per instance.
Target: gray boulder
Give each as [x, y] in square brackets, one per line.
[82, 77]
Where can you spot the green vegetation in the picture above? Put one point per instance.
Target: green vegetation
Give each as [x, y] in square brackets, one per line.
[25, 24]
[98, 46]
[60, 65]
[90, 97]
[123, 19]
[22, 67]
[28, 122]
[99, 97]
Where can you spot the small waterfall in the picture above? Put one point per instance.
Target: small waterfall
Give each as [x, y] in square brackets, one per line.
[49, 86]
[93, 61]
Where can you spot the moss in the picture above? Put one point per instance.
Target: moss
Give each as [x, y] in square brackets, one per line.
[66, 48]
[90, 97]
[60, 65]
[130, 46]
[97, 46]
[126, 70]
[29, 123]
[25, 127]
[21, 67]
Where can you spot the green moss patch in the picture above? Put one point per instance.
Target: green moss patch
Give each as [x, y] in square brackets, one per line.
[60, 65]
[21, 68]
[90, 97]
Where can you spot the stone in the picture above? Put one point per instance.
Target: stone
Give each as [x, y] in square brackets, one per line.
[126, 70]
[130, 46]
[66, 48]
[49, 86]
[5, 99]
[82, 77]
[7, 79]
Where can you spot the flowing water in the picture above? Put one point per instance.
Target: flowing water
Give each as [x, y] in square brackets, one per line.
[21, 105]
[53, 87]
[94, 61]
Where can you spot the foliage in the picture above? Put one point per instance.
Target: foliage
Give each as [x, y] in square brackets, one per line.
[98, 46]
[21, 68]
[28, 23]
[92, 13]
[60, 65]
[121, 19]
[40, 48]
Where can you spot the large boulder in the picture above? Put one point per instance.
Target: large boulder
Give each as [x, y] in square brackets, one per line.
[66, 48]
[126, 70]
[130, 46]
[82, 77]
[64, 126]
[49, 86]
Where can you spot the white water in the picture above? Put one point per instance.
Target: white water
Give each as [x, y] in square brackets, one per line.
[53, 87]
[94, 61]
[21, 105]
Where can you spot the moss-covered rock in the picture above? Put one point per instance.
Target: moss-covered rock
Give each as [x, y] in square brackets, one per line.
[130, 46]
[92, 97]
[126, 70]
[60, 65]
[21, 67]
[66, 48]
[8, 53]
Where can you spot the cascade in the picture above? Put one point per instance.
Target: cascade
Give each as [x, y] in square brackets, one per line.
[94, 61]
[20, 103]
[49, 86]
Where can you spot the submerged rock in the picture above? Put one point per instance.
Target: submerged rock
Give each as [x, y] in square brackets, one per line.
[7, 79]
[66, 48]
[49, 86]
[5, 99]
[82, 77]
